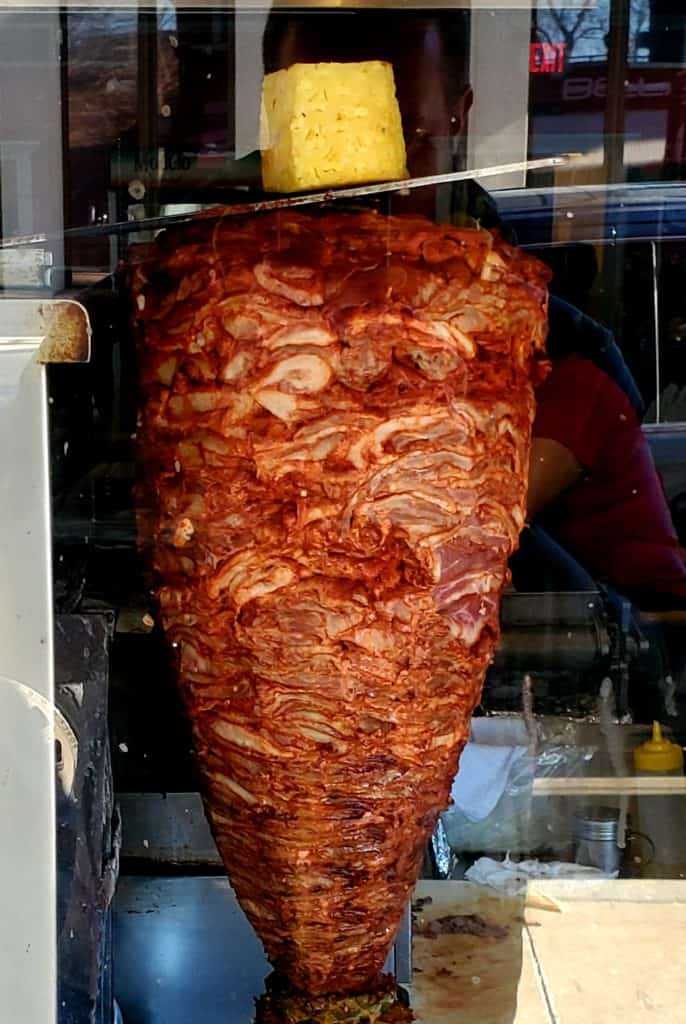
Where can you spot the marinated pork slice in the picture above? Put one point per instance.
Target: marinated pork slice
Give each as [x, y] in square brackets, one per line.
[334, 444]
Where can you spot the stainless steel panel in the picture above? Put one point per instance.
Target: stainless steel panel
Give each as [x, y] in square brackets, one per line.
[184, 951]
[168, 828]
[28, 954]
[27, 761]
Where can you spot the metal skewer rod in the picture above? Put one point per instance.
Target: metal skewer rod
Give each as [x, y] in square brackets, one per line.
[285, 203]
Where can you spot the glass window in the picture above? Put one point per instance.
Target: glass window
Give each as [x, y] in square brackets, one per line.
[342, 511]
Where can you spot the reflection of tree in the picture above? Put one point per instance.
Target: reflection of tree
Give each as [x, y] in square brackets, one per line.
[557, 23]
[583, 28]
[639, 21]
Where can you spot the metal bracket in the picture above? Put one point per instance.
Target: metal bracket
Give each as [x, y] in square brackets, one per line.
[59, 329]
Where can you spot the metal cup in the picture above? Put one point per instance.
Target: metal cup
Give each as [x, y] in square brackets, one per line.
[596, 831]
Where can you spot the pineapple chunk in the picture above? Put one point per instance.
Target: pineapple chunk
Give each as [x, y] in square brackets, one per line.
[323, 125]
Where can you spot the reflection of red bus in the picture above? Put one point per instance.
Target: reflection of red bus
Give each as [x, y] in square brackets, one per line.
[573, 104]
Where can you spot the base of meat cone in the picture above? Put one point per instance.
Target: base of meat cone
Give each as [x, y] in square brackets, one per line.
[382, 1003]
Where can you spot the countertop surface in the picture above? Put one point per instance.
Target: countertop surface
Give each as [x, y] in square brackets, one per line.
[184, 952]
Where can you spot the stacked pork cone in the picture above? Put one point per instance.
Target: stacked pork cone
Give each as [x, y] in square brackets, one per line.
[334, 443]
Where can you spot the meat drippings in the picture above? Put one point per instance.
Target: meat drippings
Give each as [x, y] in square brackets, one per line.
[461, 924]
[333, 468]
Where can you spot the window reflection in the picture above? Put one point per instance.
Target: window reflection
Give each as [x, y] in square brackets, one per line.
[569, 102]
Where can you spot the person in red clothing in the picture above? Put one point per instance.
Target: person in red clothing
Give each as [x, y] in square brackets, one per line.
[594, 488]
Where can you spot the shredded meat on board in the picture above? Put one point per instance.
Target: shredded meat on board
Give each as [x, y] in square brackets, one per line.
[335, 431]
[461, 924]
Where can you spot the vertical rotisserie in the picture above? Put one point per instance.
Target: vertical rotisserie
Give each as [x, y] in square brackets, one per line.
[334, 445]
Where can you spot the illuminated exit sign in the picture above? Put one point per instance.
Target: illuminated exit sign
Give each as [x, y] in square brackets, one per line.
[547, 57]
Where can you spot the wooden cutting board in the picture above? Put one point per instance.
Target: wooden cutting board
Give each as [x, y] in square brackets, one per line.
[614, 953]
[466, 979]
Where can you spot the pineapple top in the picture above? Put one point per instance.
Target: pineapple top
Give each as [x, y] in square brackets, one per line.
[326, 125]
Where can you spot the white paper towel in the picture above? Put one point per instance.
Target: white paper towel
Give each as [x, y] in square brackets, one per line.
[512, 877]
[482, 778]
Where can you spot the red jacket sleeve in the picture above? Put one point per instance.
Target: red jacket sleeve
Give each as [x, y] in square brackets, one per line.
[577, 405]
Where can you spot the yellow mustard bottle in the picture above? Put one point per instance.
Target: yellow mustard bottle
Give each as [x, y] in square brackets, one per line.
[662, 818]
[659, 755]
